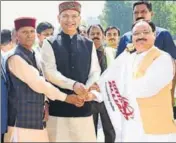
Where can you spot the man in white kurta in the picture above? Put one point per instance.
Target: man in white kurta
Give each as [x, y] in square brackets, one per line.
[121, 91]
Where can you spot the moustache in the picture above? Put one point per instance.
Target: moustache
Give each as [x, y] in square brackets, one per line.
[96, 38]
[112, 39]
[140, 18]
[141, 39]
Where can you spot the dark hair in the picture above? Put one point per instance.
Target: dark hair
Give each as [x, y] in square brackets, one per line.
[96, 25]
[112, 27]
[150, 23]
[5, 36]
[43, 26]
[148, 4]
[78, 30]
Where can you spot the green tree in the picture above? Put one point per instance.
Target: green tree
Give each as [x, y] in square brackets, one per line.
[117, 13]
[165, 15]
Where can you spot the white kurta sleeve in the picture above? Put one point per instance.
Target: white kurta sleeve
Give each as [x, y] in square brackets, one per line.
[95, 71]
[30, 75]
[50, 68]
[157, 76]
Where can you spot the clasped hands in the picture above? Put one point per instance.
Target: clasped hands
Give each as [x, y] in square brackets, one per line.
[82, 94]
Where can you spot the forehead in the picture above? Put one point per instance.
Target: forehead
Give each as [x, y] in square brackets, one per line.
[141, 26]
[47, 30]
[82, 28]
[70, 12]
[140, 7]
[95, 29]
[26, 28]
[112, 31]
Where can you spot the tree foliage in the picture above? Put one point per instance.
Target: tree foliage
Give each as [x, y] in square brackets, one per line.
[120, 14]
[117, 13]
[165, 15]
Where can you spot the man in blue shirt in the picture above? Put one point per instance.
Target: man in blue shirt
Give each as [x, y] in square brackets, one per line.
[164, 41]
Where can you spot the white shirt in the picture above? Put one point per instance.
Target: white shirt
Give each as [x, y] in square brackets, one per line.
[55, 76]
[158, 75]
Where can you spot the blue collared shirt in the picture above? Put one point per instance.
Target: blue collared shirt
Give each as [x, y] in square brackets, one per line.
[163, 41]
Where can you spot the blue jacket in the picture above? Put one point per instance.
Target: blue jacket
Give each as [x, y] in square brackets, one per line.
[163, 41]
[4, 95]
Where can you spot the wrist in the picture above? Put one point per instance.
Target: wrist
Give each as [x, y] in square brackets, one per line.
[74, 85]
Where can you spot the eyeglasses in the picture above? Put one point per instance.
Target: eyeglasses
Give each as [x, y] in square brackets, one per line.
[143, 33]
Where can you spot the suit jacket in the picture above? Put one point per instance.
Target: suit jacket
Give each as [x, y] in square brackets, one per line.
[163, 41]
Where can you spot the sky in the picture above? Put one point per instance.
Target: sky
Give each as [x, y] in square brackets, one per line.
[42, 11]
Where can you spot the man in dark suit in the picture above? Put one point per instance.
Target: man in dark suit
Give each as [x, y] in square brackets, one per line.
[164, 41]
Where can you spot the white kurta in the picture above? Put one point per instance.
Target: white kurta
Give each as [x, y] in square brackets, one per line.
[157, 76]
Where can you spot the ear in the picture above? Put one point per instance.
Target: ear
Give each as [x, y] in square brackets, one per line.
[152, 13]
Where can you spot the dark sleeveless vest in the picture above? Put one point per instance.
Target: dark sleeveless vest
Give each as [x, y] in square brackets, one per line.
[25, 106]
[73, 60]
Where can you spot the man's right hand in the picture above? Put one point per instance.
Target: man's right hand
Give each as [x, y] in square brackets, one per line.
[80, 89]
[75, 100]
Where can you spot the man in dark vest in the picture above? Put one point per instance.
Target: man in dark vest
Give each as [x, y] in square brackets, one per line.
[70, 63]
[27, 89]
[96, 33]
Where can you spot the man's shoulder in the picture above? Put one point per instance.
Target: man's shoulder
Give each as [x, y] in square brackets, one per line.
[127, 34]
[160, 29]
[162, 53]
[52, 38]
[163, 31]
[80, 37]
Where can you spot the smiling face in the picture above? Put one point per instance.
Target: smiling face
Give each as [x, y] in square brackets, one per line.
[26, 36]
[142, 36]
[44, 34]
[69, 21]
[112, 38]
[96, 35]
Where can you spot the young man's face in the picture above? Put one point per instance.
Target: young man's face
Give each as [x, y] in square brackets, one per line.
[112, 38]
[96, 35]
[26, 36]
[69, 21]
[142, 36]
[44, 34]
[141, 11]
[83, 31]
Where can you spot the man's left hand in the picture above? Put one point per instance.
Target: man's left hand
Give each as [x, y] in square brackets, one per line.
[90, 97]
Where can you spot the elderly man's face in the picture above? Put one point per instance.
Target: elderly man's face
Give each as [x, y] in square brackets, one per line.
[69, 21]
[141, 11]
[26, 36]
[112, 38]
[142, 36]
[96, 35]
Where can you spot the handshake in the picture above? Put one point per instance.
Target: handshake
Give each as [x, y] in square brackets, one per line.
[82, 94]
